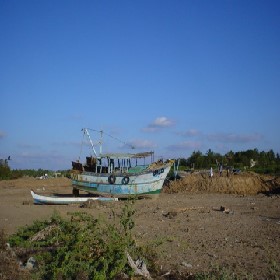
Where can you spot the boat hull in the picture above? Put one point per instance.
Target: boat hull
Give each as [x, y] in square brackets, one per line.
[146, 183]
[54, 200]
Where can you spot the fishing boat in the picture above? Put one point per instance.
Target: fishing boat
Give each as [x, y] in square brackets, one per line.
[64, 199]
[118, 174]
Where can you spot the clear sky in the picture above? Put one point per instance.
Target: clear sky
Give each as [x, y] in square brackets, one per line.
[169, 76]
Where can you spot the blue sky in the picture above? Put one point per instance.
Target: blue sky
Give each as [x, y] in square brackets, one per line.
[169, 76]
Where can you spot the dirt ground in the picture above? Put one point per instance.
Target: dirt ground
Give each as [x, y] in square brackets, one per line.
[195, 225]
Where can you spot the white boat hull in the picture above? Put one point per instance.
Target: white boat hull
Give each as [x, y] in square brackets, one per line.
[42, 199]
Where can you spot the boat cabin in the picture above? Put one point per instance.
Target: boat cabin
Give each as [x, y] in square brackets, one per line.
[116, 163]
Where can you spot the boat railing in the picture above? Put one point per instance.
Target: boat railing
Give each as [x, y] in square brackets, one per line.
[137, 169]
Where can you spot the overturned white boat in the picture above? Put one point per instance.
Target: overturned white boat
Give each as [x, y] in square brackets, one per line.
[64, 199]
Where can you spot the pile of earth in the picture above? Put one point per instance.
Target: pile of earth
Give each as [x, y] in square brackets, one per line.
[247, 183]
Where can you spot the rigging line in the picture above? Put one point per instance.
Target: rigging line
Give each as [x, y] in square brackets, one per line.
[81, 146]
[101, 131]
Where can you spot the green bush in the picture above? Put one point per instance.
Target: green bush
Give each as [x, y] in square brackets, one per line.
[80, 246]
[5, 172]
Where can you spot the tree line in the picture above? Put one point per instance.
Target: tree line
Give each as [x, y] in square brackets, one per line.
[7, 173]
[253, 160]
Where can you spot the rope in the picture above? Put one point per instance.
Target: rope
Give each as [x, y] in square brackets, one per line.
[81, 146]
[115, 138]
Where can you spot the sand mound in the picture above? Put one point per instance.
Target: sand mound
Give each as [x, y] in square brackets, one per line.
[245, 183]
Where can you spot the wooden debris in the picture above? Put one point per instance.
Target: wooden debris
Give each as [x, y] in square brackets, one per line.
[42, 234]
[223, 209]
[26, 202]
[170, 214]
[139, 267]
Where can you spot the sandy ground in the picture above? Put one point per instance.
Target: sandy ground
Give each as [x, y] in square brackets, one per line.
[194, 225]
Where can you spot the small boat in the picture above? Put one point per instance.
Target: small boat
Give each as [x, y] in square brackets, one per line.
[119, 174]
[43, 199]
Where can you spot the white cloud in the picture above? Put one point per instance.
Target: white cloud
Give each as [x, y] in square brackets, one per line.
[162, 122]
[222, 137]
[222, 142]
[234, 138]
[190, 133]
[185, 145]
[142, 144]
[158, 123]
[149, 129]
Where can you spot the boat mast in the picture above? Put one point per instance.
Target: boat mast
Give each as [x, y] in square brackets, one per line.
[91, 143]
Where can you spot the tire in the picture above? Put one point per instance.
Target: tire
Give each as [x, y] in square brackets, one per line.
[125, 180]
[112, 179]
